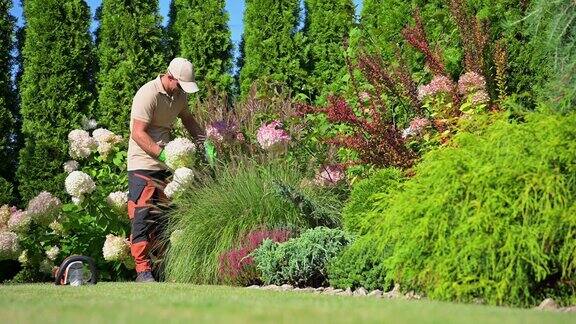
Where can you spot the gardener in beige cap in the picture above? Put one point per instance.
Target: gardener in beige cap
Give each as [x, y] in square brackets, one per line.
[154, 110]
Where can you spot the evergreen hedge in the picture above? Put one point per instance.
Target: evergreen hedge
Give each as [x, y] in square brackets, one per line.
[326, 27]
[55, 90]
[273, 47]
[130, 53]
[199, 32]
[488, 218]
[7, 100]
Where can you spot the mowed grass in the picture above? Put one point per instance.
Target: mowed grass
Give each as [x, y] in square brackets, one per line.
[169, 303]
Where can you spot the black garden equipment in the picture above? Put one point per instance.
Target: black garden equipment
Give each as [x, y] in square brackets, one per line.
[76, 270]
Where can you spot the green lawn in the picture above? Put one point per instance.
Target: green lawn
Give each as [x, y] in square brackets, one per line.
[142, 303]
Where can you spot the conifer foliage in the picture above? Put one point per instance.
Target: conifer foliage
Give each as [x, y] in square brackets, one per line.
[200, 33]
[7, 101]
[273, 48]
[327, 25]
[130, 54]
[55, 89]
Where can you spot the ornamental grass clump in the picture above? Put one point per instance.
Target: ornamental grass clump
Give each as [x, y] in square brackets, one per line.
[213, 215]
[490, 218]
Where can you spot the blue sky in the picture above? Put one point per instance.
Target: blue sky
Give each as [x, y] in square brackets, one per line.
[234, 7]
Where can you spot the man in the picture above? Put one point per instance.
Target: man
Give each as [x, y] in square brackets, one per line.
[154, 110]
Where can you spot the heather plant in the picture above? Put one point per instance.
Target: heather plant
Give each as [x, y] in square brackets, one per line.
[300, 261]
[214, 213]
[487, 218]
[237, 267]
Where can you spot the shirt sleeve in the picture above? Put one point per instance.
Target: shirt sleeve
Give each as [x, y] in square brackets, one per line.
[143, 106]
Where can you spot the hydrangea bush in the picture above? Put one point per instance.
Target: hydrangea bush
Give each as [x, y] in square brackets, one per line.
[49, 230]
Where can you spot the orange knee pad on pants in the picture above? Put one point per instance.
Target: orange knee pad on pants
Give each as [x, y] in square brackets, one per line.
[145, 192]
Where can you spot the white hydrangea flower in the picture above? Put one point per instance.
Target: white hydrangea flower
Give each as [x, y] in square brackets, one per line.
[71, 166]
[9, 246]
[180, 153]
[52, 253]
[106, 140]
[79, 183]
[23, 258]
[183, 176]
[77, 200]
[88, 124]
[81, 144]
[44, 208]
[171, 189]
[57, 227]
[118, 200]
[116, 248]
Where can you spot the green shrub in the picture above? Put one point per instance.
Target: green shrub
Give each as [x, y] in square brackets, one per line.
[212, 215]
[8, 105]
[490, 217]
[130, 54]
[362, 198]
[326, 26]
[273, 50]
[360, 265]
[56, 89]
[6, 192]
[300, 261]
[553, 46]
[200, 33]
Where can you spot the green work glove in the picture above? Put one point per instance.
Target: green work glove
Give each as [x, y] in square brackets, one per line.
[162, 156]
[210, 151]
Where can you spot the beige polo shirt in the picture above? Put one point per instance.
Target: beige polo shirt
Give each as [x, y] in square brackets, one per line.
[154, 106]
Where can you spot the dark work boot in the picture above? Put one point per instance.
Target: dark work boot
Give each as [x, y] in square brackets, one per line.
[145, 276]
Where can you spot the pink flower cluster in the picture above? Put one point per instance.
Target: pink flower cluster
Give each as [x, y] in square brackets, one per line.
[272, 137]
[222, 131]
[417, 126]
[43, 208]
[439, 84]
[470, 82]
[330, 175]
[237, 265]
[480, 97]
[13, 219]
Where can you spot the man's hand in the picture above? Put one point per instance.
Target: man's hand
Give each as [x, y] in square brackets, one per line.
[141, 137]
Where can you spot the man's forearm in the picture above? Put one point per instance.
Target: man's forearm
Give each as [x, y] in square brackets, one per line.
[147, 144]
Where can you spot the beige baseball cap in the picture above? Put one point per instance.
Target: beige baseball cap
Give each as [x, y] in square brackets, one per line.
[182, 70]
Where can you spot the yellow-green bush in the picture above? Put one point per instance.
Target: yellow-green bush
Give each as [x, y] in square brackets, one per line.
[490, 217]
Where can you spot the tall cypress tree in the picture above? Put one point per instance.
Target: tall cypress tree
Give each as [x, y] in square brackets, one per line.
[328, 22]
[55, 89]
[7, 102]
[130, 54]
[273, 48]
[201, 34]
